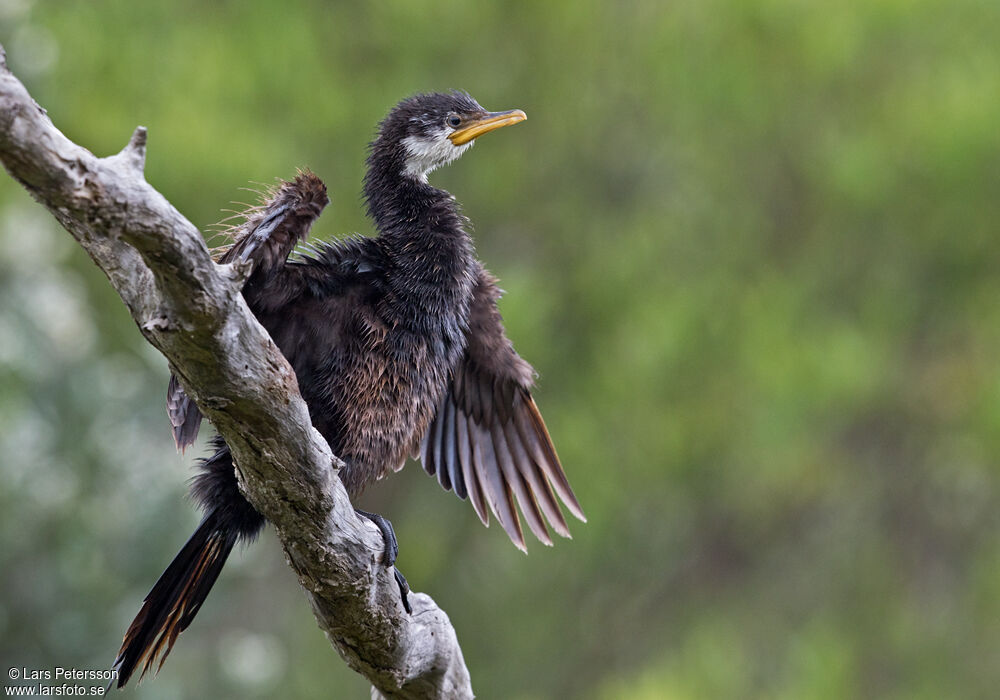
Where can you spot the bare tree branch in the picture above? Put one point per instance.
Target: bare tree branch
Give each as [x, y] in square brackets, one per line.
[192, 311]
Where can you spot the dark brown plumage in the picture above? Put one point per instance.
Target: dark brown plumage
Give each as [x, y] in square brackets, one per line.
[398, 348]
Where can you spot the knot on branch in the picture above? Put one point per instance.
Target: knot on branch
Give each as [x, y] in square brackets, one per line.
[133, 156]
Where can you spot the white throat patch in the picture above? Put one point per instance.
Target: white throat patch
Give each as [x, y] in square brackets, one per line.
[424, 154]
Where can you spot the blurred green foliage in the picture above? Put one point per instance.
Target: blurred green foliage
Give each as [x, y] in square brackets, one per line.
[752, 248]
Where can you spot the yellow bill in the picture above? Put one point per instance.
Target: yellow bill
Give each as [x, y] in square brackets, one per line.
[478, 127]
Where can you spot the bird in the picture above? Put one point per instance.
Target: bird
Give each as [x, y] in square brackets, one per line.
[399, 350]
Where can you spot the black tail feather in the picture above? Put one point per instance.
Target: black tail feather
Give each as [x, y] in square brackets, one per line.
[175, 598]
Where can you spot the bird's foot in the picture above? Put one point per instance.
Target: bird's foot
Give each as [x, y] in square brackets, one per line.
[404, 589]
[388, 536]
[390, 553]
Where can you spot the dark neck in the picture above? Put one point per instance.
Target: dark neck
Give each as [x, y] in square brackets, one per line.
[423, 234]
[398, 203]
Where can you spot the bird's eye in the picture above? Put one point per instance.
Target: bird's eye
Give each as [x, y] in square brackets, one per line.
[454, 120]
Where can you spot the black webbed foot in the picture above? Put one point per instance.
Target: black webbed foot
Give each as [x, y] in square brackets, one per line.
[390, 553]
[388, 535]
[404, 589]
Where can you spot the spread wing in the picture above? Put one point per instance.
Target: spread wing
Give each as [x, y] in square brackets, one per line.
[266, 238]
[488, 441]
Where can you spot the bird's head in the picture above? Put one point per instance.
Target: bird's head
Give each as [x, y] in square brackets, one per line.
[424, 132]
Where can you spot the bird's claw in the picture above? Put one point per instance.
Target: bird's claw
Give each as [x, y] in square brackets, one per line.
[390, 553]
[388, 536]
[404, 589]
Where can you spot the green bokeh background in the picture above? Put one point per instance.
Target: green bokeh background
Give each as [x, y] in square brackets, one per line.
[751, 247]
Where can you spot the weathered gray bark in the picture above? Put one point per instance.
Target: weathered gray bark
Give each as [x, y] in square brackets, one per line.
[192, 311]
